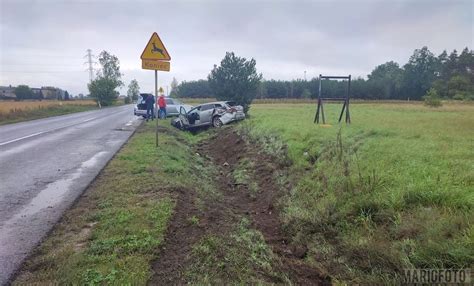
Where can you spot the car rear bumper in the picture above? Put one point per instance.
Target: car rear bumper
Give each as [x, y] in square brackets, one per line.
[239, 116]
[139, 112]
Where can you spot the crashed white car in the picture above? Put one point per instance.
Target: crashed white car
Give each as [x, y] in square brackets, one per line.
[213, 114]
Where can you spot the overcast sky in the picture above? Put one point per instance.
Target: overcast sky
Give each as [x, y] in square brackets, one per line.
[43, 43]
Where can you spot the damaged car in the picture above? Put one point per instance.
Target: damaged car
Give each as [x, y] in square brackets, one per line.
[213, 114]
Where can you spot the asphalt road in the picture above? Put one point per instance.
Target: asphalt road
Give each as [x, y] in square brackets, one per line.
[45, 165]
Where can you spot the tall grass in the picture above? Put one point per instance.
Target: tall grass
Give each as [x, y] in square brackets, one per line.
[15, 111]
[392, 190]
[7, 106]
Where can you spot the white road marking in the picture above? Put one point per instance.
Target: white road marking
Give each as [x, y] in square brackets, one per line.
[87, 120]
[42, 132]
[21, 138]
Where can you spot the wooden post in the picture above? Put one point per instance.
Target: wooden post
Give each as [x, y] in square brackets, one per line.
[316, 116]
[342, 111]
[348, 116]
[320, 109]
[322, 112]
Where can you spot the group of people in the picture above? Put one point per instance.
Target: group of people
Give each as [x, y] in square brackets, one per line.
[150, 107]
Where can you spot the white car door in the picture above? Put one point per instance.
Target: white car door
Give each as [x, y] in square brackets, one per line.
[183, 117]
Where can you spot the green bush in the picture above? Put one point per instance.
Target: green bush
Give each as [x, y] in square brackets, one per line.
[235, 79]
[432, 98]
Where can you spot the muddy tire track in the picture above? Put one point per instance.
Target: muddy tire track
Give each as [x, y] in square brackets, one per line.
[226, 149]
[218, 216]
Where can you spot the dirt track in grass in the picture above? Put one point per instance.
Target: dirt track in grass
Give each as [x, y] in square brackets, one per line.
[226, 150]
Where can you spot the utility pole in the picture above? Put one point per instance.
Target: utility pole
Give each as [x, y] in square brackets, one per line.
[304, 75]
[91, 69]
[90, 63]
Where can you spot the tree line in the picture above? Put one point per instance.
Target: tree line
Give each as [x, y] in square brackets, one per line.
[451, 76]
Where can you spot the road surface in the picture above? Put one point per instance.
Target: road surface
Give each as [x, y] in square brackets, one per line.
[45, 165]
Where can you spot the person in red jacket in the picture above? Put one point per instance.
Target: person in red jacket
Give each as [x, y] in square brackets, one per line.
[162, 106]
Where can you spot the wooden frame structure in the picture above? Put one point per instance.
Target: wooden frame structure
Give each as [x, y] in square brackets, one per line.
[320, 109]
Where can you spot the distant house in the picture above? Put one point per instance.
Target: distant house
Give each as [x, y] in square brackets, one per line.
[38, 94]
[49, 92]
[7, 92]
[45, 92]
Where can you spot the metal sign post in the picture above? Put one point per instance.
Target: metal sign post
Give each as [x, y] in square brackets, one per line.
[156, 105]
[156, 57]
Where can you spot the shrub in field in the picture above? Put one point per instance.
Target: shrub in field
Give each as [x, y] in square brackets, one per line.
[235, 79]
[102, 89]
[432, 98]
[23, 92]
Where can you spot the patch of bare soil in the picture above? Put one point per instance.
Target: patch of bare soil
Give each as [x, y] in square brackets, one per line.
[180, 237]
[190, 222]
[226, 149]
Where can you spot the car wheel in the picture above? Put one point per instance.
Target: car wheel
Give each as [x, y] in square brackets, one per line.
[216, 122]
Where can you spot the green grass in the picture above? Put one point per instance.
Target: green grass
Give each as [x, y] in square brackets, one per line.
[240, 258]
[394, 189]
[243, 175]
[113, 233]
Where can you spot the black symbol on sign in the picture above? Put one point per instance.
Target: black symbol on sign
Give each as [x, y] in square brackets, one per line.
[157, 50]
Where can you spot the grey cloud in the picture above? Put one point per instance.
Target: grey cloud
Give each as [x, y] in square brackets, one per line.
[285, 37]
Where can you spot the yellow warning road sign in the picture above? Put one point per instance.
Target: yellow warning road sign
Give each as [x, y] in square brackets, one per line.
[155, 65]
[155, 50]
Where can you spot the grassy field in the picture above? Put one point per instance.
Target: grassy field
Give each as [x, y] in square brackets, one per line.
[392, 190]
[16, 111]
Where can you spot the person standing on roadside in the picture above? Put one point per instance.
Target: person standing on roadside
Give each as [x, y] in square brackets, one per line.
[150, 110]
[162, 105]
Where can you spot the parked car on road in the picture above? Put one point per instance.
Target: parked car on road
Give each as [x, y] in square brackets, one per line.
[213, 114]
[140, 106]
[173, 106]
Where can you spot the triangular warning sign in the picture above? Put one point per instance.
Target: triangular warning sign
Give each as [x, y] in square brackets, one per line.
[155, 50]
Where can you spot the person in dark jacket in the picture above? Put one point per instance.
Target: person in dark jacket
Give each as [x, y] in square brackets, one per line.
[150, 103]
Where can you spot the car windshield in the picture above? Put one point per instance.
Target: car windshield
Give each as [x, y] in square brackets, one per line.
[231, 103]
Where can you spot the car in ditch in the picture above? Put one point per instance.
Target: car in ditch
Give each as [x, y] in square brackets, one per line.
[213, 114]
[173, 106]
